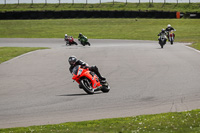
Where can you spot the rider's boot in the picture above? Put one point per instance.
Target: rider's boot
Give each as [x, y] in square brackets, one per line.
[96, 70]
[102, 78]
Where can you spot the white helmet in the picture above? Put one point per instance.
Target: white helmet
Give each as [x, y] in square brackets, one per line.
[65, 34]
[168, 25]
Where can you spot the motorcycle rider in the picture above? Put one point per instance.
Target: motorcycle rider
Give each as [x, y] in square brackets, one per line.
[66, 38]
[80, 36]
[163, 32]
[73, 61]
[168, 29]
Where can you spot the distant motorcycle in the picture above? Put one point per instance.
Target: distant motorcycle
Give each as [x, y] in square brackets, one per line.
[171, 37]
[162, 40]
[70, 41]
[88, 80]
[84, 41]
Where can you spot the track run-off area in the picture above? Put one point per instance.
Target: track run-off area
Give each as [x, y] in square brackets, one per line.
[36, 88]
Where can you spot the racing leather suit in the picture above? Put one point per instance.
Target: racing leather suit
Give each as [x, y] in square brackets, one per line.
[168, 29]
[91, 68]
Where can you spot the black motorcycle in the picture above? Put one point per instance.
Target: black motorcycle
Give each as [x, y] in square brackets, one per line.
[162, 40]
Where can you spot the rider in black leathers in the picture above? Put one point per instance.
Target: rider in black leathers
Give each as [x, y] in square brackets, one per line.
[163, 32]
[73, 61]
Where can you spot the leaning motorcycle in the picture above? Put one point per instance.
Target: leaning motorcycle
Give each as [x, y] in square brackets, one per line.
[89, 81]
[84, 41]
[162, 40]
[171, 36]
[70, 41]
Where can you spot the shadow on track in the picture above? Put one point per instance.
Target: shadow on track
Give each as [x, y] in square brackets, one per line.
[81, 94]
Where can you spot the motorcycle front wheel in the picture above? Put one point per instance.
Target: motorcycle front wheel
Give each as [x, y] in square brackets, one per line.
[85, 83]
[88, 43]
[171, 42]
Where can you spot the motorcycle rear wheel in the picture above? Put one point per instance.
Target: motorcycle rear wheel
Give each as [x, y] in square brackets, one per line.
[105, 87]
[85, 83]
[88, 43]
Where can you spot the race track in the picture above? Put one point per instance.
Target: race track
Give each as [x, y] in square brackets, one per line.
[36, 88]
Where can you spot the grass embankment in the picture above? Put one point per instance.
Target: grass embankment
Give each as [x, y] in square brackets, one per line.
[178, 122]
[137, 29]
[7, 53]
[182, 7]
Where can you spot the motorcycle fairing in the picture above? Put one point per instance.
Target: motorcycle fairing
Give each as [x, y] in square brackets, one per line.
[80, 72]
[93, 78]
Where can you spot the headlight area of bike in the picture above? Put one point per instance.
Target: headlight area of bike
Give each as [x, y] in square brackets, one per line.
[76, 75]
[75, 70]
[80, 71]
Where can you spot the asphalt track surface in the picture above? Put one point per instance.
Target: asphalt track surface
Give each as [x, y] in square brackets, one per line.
[36, 88]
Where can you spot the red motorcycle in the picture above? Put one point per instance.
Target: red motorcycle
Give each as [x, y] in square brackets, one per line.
[70, 41]
[88, 80]
[171, 36]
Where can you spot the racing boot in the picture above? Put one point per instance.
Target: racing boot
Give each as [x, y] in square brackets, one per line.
[102, 78]
[96, 71]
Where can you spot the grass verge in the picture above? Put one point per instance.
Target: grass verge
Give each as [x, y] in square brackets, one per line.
[182, 7]
[137, 29]
[176, 122]
[7, 53]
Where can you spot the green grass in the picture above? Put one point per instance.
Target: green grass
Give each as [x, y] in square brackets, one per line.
[136, 29]
[182, 7]
[7, 53]
[178, 122]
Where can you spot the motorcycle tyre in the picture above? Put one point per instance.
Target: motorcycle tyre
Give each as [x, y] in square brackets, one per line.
[161, 45]
[85, 84]
[171, 42]
[75, 43]
[88, 43]
[83, 43]
[105, 87]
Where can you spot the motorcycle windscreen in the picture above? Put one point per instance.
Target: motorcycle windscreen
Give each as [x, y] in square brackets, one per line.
[75, 70]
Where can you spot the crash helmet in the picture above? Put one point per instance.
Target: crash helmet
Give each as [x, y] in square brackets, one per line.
[72, 60]
[168, 25]
[163, 30]
[80, 34]
[65, 35]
